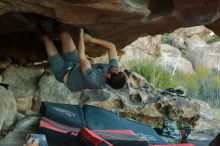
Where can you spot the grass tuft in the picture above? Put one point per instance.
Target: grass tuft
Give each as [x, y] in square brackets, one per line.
[157, 76]
[213, 39]
[204, 84]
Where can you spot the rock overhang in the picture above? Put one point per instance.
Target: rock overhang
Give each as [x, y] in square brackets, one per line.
[115, 20]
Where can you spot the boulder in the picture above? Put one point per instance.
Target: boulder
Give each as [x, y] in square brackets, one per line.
[186, 39]
[178, 109]
[138, 100]
[201, 105]
[151, 115]
[207, 119]
[113, 104]
[172, 60]
[165, 55]
[127, 105]
[22, 82]
[174, 64]
[197, 50]
[51, 90]
[201, 31]
[18, 136]
[168, 50]
[205, 56]
[144, 47]
[8, 108]
[206, 135]
[4, 63]
[194, 42]
[97, 94]
[136, 81]
[182, 50]
[143, 103]
[119, 21]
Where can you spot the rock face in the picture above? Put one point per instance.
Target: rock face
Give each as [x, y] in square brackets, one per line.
[22, 129]
[165, 55]
[5, 63]
[118, 21]
[198, 50]
[22, 81]
[178, 109]
[183, 50]
[172, 59]
[138, 100]
[208, 55]
[53, 91]
[207, 119]
[8, 108]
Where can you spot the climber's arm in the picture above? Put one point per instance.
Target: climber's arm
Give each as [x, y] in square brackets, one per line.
[112, 52]
[84, 62]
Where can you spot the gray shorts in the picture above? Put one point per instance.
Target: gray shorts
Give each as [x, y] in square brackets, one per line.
[61, 64]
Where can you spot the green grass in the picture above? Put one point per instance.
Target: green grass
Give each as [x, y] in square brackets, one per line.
[213, 39]
[158, 77]
[167, 39]
[204, 84]
[188, 82]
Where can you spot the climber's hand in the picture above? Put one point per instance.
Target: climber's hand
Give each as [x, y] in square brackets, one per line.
[87, 38]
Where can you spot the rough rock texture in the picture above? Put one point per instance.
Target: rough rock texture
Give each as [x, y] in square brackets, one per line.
[138, 100]
[151, 48]
[178, 109]
[4, 63]
[53, 91]
[116, 20]
[144, 47]
[197, 50]
[208, 134]
[182, 50]
[171, 59]
[208, 55]
[21, 130]
[22, 81]
[207, 119]
[8, 108]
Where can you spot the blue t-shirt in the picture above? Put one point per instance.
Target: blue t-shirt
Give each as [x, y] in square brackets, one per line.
[93, 77]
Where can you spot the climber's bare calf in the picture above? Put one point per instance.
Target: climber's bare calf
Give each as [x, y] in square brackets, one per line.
[49, 46]
[66, 41]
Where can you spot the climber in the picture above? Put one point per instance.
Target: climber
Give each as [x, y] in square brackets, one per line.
[73, 68]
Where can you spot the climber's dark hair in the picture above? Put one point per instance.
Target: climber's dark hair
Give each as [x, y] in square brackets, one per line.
[117, 81]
